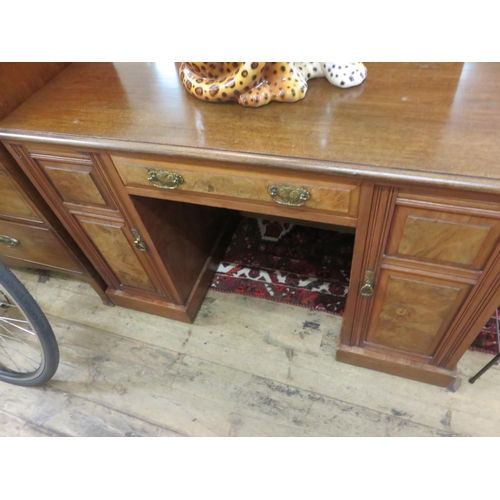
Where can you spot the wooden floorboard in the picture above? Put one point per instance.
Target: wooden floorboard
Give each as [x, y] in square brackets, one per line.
[246, 367]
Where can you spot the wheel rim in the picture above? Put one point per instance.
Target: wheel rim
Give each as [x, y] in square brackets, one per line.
[21, 353]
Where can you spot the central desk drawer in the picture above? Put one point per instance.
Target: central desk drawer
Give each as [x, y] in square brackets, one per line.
[252, 185]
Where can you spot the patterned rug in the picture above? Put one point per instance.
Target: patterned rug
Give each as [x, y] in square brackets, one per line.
[488, 340]
[301, 266]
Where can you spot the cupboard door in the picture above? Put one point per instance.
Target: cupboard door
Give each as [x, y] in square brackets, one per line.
[424, 281]
[113, 241]
[411, 313]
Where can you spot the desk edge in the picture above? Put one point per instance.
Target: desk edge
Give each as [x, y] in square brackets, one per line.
[392, 175]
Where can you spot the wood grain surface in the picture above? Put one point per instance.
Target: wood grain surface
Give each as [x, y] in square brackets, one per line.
[443, 241]
[19, 81]
[120, 375]
[411, 314]
[12, 201]
[74, 184]
[443, 237]
[329, 195]
[37, 245]
[110, 241]
[406, 121]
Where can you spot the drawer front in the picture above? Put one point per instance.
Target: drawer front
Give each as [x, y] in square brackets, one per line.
[38, 245]
[330, 196]
[446, 235]
[12, 202]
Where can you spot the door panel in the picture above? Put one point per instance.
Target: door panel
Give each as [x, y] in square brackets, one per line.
[77, 183]
[411, 313]
[111, 242]
[443, 237]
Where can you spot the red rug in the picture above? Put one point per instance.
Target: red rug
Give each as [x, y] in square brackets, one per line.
[487, 341]
[301, 266]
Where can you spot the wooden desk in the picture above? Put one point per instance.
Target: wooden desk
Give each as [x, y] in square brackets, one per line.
[409, 159]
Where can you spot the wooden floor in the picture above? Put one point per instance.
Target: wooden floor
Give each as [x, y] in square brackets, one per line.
[247, 367]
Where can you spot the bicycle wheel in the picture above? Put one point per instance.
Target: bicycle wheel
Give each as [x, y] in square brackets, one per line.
[28, 348]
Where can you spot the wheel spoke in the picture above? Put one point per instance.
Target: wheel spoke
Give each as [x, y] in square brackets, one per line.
[28, 348]
[14, 319]
[16, 339]
[17, 326]
[8, 304]
[19, 352]
[8, 355]
[4, 299]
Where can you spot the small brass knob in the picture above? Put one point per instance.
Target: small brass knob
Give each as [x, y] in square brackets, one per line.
[290, 196]
[368, 284]
[164, 179]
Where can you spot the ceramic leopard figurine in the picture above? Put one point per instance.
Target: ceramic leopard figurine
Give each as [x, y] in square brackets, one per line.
[258, 83]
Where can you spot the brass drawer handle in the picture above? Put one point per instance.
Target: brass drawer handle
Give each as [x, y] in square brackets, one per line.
[291, 196]
[139, 242]
[8, 241]
[368, 284]
[164, 179]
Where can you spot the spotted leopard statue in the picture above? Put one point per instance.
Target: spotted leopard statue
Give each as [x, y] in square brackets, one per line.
[255, 84]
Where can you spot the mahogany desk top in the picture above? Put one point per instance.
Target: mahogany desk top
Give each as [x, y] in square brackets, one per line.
[435, 122]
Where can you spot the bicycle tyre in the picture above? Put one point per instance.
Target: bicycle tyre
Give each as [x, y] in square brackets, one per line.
[17, 295]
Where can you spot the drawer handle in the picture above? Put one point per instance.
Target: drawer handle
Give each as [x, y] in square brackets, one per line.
[164, 179]
[8, 241]
[368, 283]
[291, 196]
[138, 241]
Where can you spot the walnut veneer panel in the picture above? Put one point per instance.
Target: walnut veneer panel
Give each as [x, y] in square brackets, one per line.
[75, 184]
[412, 314]
[332, 195]
[111, 242]
[444, 241]
[444, 237]
[12, 202]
